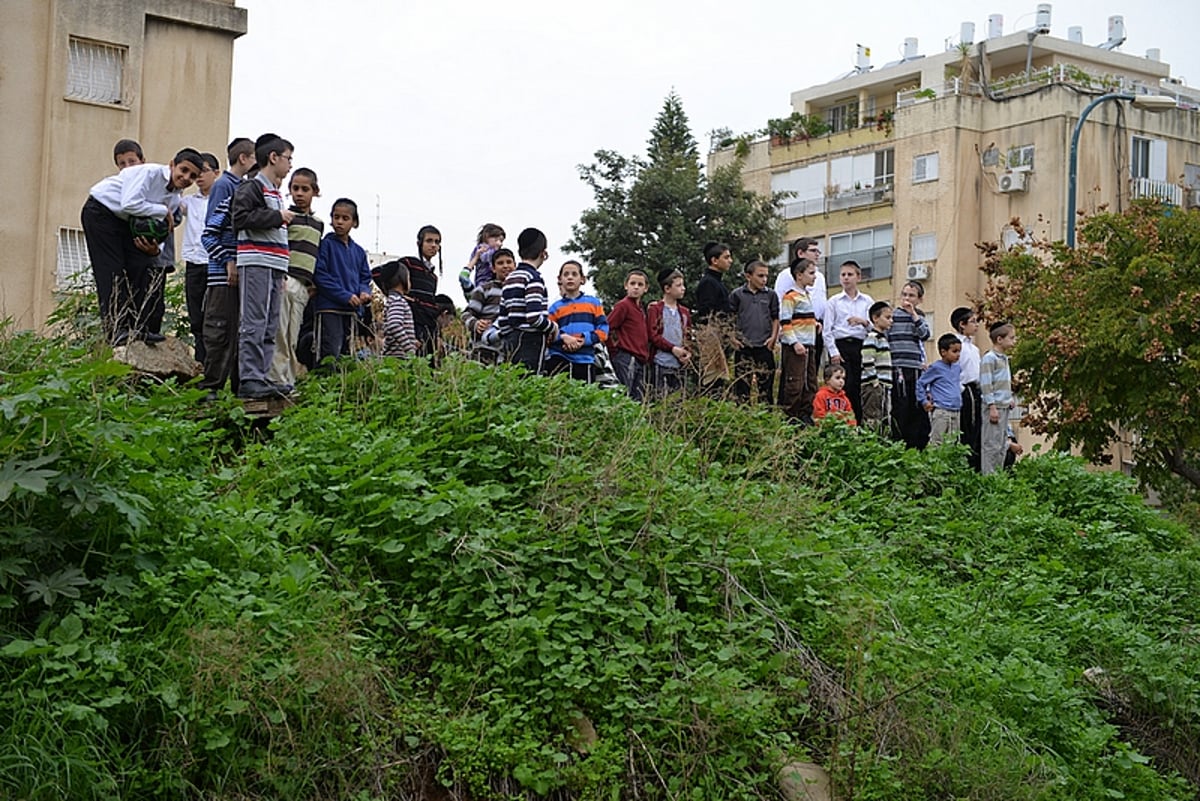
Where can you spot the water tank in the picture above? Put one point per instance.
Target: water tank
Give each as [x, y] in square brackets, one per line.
[862, 60]
[1042, 25]
[1116, 28]
[995, 26]
[1154, 54]
[1075, 34]
[966, 33]
[910, 48]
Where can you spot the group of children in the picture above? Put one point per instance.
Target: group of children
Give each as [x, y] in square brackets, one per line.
[268, 291]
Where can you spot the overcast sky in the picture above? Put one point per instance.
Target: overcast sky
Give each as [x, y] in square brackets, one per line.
[458, 113]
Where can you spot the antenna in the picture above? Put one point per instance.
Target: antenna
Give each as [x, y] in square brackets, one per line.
[377, 223]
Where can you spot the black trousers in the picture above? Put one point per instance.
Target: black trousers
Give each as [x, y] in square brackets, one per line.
[911, 419]
[850, 349]
[118, 268]
[757, 363]
[222, 318]
[195, 284]
[968, 422]
[526, 348]
[580, 372]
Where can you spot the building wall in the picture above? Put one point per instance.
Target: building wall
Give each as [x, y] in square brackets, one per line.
[175, 92]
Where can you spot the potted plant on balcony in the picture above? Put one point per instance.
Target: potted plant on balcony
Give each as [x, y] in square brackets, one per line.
[781, 130]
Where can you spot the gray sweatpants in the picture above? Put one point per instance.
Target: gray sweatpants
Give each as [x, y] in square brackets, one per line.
[993, 441]
[261, 289]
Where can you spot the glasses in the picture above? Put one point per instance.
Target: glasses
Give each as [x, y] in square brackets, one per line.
[814, 250]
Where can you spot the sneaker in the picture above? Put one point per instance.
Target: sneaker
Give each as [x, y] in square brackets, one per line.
[152, 338]
[256, 390]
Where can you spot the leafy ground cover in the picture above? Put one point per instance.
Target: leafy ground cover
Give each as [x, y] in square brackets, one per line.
[464, 584]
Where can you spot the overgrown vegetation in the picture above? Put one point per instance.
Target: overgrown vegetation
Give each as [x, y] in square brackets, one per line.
[465, 584]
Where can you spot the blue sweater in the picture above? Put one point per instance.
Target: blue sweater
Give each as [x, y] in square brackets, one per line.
[218, 238]
[941, 383]
[341, 272]
[580, 316]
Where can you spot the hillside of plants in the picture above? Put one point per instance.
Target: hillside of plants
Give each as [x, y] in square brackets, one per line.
[465, 585]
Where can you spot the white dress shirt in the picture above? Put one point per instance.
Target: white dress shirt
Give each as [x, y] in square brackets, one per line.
[840, 308]
[968, 360]
[142, 190]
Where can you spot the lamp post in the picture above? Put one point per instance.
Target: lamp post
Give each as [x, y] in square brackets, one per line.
[1148, 102]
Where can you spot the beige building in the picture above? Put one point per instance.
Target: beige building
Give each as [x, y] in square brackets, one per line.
[76, 76]
[930, 155]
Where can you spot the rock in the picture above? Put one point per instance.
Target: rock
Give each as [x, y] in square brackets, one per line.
[582, 735]
[804, 781]
[167, 359]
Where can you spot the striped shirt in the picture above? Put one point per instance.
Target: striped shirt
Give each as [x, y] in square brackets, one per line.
[483, 306]
[304, 240]
[399, 334]
[995, 380]
[876, 359]
[797, 321]
[219, 242]
[579, 316]
[905, 337]
[262, 238]
[218, 238]
[523, 302]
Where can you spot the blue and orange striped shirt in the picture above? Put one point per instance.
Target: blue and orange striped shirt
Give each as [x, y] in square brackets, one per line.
[579, 316]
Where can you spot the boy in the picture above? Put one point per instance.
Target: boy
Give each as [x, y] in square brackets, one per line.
[907, 336]
[996, 396]
[876, 392]
[260, 219]
[629, 335]
[581, 327]
[940, 390]
[523, 325]
[845, 325]
[399, 334]
[712, 318]
[195, 257]
[221, 311]
[798, 336]
[119, 267]
[128, 153]
[831, 399]
[304, 240]
[965, 323]
[342, 277]
[806, 248]
[756, 315]
[669, 324]
[483, 307]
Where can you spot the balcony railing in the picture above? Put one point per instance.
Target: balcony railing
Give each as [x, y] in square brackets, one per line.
[1165, 191]
[838, 201]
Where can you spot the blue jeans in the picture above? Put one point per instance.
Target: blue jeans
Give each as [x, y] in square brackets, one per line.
[630, 372]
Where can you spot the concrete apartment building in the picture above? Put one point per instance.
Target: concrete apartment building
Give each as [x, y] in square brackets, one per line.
[929, 155]
[76, 76]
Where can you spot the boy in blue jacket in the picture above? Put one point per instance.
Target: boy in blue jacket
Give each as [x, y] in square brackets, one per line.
[343, 280]
[940, 390]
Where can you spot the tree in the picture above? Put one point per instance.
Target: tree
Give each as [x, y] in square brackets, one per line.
[658, 211]
[1109, 336]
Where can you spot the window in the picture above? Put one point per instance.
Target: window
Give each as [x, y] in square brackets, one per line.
[925, 168]
[1191, 176]
[922, 247]
[73, 270]
[885, 167]
[808, 187]
[1148, 158]
[1019, 158]
[870, 247]
[843, 116]
[95, 72]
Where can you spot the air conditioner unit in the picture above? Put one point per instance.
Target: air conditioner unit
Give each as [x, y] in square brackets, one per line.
[1191, 198]
[1014, 181]
[918, 271]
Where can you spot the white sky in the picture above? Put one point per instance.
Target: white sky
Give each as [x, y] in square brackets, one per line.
[460, 112]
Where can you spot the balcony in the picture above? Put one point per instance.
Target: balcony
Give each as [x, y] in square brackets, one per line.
[838, 200]
[1162, 191]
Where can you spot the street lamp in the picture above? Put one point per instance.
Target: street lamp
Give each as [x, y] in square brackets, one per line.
[1147, 102]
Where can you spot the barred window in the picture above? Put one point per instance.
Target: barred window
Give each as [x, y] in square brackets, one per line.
[73, 270]
[95, 72]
